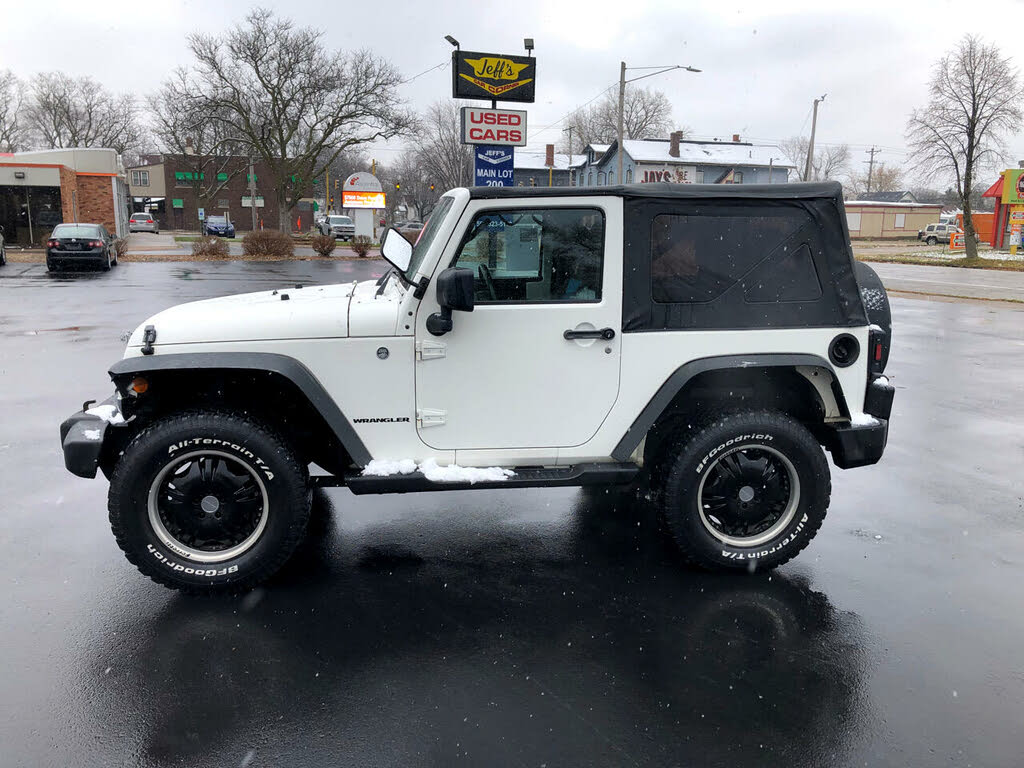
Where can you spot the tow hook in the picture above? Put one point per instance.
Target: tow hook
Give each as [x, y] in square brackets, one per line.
[148, 337]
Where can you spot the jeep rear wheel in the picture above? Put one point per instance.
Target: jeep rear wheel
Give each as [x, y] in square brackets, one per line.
[208, 501]
[748, 491]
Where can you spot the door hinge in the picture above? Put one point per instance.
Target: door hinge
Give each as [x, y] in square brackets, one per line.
[430, 350]
[430, 417]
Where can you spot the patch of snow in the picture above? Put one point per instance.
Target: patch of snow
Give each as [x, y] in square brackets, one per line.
[436, 473]
[91, 434]
[108, 413]
[863, 420]
[456, 474]
[387, 467]
[882, 380]
[875, 327]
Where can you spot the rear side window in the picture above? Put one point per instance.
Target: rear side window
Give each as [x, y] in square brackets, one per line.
[697, 258]
[536, 255]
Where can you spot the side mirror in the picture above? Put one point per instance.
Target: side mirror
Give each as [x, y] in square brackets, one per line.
[454, 293]
[396, 249]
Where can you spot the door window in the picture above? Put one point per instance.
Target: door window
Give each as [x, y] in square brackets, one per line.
[535, 255]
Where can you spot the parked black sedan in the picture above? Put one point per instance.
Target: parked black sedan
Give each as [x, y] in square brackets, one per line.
[218, 225]
[80, 244]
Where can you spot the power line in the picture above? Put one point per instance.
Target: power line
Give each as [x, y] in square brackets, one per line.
[574, 109]
[444, 63]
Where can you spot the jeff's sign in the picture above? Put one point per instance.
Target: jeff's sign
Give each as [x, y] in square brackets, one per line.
[493, 126]
[493, 76]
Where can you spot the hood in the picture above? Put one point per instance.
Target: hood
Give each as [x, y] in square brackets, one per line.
[314, 312]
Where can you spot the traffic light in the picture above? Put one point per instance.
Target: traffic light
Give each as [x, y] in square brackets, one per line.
[431, 187]
[398, 186]
[335, 183]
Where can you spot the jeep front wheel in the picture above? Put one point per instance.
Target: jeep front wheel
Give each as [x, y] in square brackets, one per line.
[209, 501]
[748, 491]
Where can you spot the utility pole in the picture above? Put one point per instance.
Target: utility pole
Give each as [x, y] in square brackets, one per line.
[810, 146]
[252, 193]
[327, 192]
[569, 129]
[871, 164]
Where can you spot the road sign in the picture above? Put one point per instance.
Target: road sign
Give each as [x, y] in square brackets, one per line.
[493, 166]
[505, 127]
[202, 214]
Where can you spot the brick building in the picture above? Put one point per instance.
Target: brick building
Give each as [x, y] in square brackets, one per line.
[174, 187]
[39, 190]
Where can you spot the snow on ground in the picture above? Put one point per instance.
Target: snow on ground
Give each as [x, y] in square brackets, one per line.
[436, 473]
[949, 255]
[108, 413]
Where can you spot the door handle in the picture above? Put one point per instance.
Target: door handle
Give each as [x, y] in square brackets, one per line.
[603, 333]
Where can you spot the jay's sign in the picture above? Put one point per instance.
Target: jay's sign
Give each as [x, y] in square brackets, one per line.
[493, 76]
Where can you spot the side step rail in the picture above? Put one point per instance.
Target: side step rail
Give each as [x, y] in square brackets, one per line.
[525, 477]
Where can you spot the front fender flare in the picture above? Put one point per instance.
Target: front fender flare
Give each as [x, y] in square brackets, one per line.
[288, 367]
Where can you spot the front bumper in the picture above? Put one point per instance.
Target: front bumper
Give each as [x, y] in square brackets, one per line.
[82, 436]
[863, 444]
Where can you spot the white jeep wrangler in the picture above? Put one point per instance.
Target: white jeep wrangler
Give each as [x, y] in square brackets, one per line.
[716, 336]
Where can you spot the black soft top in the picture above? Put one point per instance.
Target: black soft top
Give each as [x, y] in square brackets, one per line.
[665, 191]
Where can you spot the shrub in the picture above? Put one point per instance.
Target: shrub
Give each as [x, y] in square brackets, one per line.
[361, 245]
[121, 246]
[268, 242]
[210, 246]
[324, 245]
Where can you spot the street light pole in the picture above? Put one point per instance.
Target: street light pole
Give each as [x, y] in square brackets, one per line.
[569, 129]
[622, 96]
[622, 99]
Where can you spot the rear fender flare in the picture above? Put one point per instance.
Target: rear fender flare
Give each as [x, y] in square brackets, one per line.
[682, 375]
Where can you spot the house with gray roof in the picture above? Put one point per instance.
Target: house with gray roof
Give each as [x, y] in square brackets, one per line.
[684, 161]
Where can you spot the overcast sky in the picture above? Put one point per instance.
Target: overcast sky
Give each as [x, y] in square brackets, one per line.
[763, 62]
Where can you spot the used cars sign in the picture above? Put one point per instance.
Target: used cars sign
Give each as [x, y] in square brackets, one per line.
[493, 126]
[493, 76]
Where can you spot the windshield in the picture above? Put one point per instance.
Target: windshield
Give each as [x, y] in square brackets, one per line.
[340, 220]
[216, 220]
[427, 234]
[75, 230]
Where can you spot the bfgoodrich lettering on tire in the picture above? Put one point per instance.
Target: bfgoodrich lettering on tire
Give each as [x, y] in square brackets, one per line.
[749, 490]
[209, 501]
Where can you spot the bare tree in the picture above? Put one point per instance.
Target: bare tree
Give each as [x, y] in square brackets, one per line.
[830, 161]
[297, 104]
[441, 155]
[646, 114]
[12, 125]
[884, 178]
[65, 111]
[975, 99]
[211, 150]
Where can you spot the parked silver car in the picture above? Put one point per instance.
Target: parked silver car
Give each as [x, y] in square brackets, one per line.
[340, 226]
[143, 222]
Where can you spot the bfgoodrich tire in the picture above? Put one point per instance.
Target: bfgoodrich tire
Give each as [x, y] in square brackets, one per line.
[747, 491]
[209, 501]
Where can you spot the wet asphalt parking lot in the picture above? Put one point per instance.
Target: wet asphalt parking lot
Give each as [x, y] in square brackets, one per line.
[530, 627]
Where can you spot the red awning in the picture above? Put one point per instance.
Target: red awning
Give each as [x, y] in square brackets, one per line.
[996, 190]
